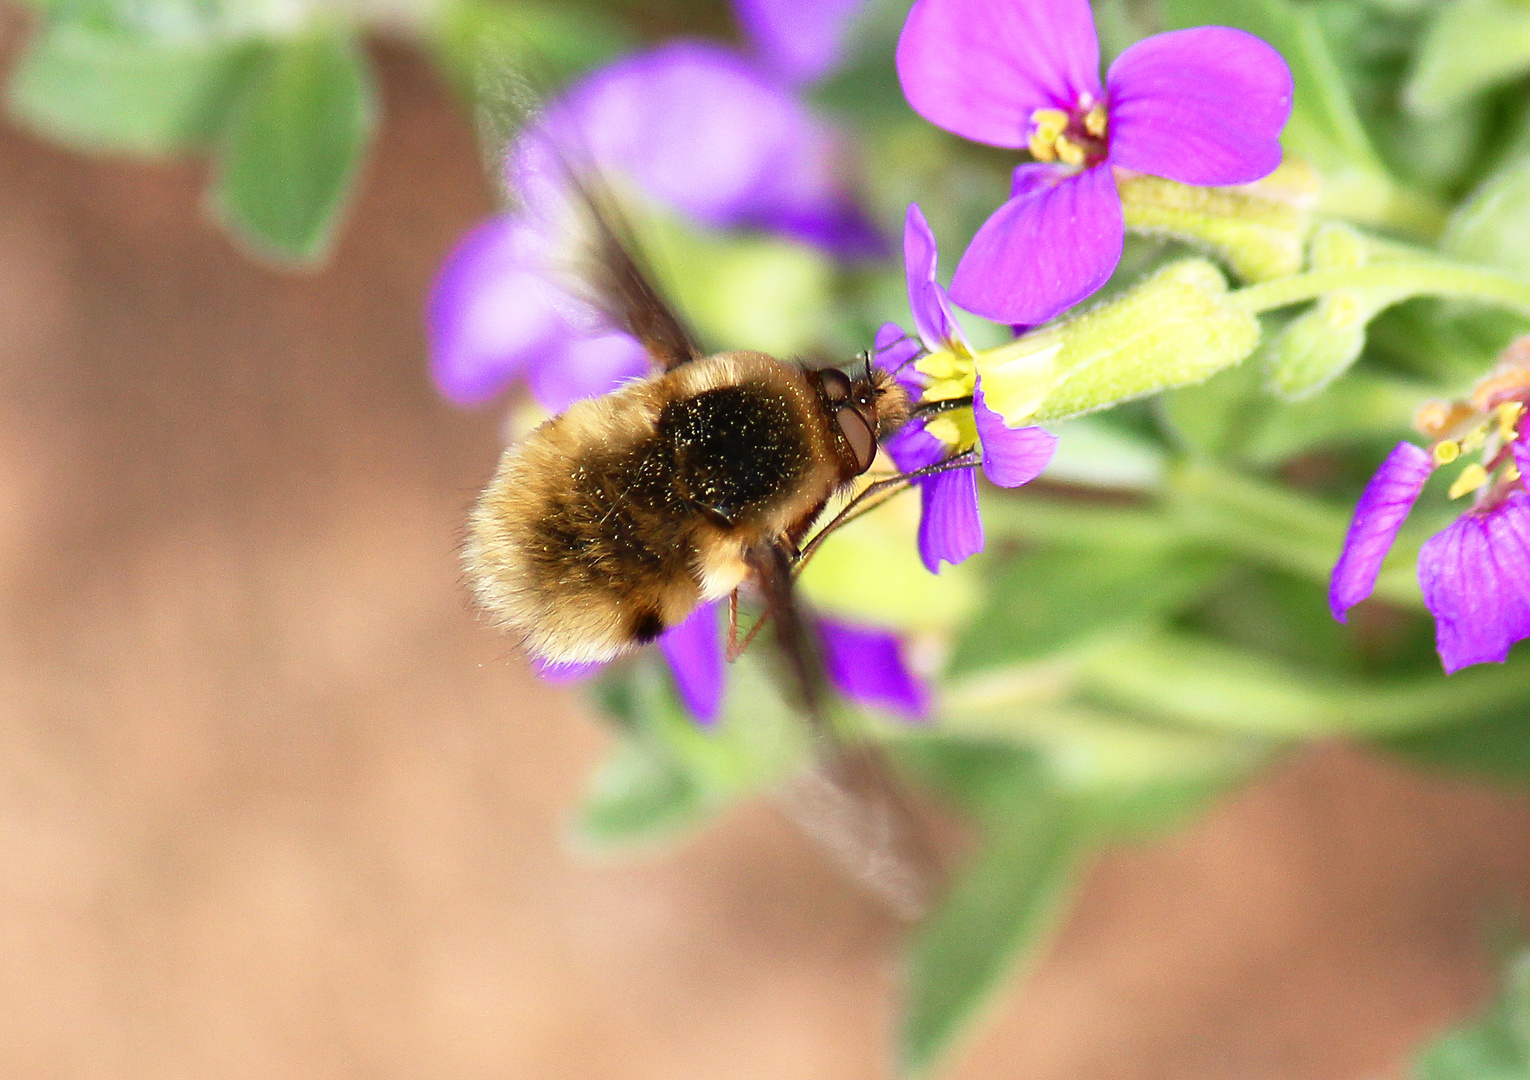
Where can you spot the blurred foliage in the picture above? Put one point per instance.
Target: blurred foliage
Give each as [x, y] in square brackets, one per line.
[1496, 1046]
[1149, 623]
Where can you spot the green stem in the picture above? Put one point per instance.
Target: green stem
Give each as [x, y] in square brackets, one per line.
[1409, 278]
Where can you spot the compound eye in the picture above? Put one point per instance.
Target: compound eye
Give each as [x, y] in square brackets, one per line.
[836, 385]
[858, 433]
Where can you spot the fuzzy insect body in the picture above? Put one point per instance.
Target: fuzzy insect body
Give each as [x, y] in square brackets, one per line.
[615, 519]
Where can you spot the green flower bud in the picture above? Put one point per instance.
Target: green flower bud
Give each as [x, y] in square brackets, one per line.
[1173, 329]
[1259, 230]
[1321, 343]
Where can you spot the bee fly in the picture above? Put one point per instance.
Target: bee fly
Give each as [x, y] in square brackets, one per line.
[614, 520]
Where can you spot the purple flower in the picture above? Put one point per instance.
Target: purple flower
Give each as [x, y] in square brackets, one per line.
[706, 132]
[798, 41]
[1476, 581]
[1383, 507]
[950, 526]
[866, 665]
[863, 663]
[1202, 106]
[695, 127]
[1475, 574]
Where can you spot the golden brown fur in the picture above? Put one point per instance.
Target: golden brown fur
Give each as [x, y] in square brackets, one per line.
[613, 520]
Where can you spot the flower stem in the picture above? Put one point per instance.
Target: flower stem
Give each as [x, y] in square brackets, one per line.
[1423, 278]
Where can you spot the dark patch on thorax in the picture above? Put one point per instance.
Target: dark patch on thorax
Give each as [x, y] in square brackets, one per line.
[737, 449]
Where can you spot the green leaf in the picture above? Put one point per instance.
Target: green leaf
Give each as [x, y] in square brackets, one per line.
[110, 89]
[1207, 685]
[1096, 453]
[294, 144]
[1051, 600]
[1469, 46]
[1497, 747]
[638, 795]
[1211, 418]
[1493, 224]
[669, 773]
[997, 912]
[1494, 1047]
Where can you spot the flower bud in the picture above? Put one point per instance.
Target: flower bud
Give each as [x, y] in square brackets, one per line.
[1173, 329]
[1321, 343]
[1258, 230]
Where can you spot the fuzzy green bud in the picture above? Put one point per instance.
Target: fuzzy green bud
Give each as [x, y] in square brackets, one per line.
[1321, 343]
[1173, 329]
[1259, 230]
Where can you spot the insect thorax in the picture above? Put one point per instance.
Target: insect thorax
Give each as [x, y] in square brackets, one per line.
[739, 450]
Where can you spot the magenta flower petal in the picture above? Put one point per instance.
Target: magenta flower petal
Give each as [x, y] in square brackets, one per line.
[695, 655]
[581, 367]
[950, 527]
[706, 132]
[892, 349]
[1476, 581]
[1043, 252]
[926, 299]
[1201, 106]
[1011, 456]
[1382, 509]
[980, 68]
[799, 42]
[866, 665]
[491, 313]
[914, 448]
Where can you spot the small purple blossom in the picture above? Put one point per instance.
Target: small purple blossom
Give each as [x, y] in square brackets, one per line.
[695, 655]
[1383, 507]
[866, 665]
[799, 42]
[1476, 580]
[692, 125]
[863, 663]
[1202, 106]
[950, 525]
[1475, 574]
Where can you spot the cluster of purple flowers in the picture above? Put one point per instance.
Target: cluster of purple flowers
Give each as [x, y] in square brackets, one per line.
[1473, 572]
[724, 138]
[1202, 106]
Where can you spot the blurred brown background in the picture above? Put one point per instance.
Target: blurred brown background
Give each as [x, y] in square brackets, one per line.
[273, 804]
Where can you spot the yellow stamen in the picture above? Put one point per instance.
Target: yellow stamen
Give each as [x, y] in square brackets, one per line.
[941, 365]
[1050, 124]
[1474, 439]
[1510, 473]
[1070, 152]
[1053, 121]
[1472, 477]
[1508, 420]
[1094, 121]
[1446, 452]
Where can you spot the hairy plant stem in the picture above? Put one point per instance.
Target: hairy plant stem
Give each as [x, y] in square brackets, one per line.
[1421, 278]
